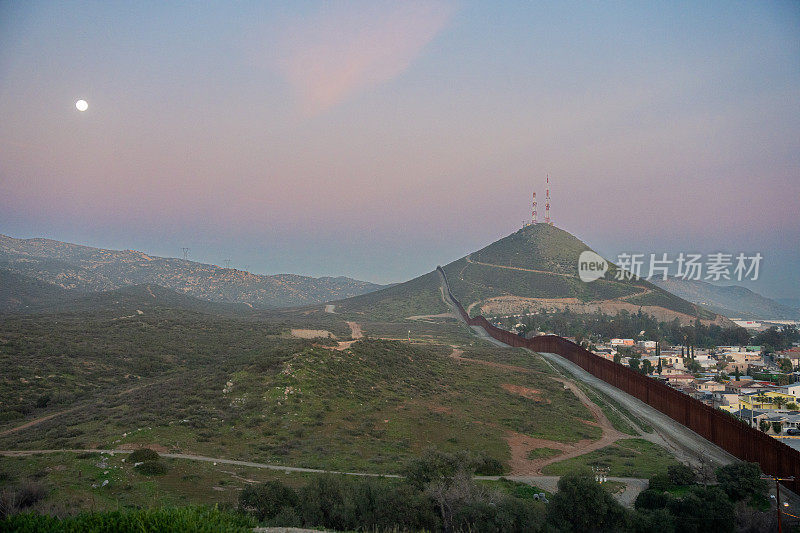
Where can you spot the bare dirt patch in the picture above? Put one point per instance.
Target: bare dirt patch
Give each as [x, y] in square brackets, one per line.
[312, 334]
[525, 392]
[355, 330]
[137, 446]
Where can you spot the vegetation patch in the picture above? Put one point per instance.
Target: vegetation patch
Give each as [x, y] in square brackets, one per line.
[627, 458]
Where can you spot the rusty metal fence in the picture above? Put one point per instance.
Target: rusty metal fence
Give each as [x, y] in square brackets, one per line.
[717, 426]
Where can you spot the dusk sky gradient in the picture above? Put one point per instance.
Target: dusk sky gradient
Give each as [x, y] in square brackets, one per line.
[379, 139]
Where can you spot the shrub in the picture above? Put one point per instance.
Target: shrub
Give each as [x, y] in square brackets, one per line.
[742, 480]
[680, 475]
[650, 499]
[660, 482]
[581, 504]
[152, 468]
[143, 454]
[266, 500]
[27, 494]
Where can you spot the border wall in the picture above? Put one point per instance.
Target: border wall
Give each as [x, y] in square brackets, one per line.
[717, 426]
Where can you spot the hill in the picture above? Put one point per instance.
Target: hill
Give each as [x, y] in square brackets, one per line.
[532, 269]
[20, 292]
[730, 300]
[87, 269]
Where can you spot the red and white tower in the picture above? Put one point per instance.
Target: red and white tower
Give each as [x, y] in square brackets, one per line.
[533, 210]
[547, 203]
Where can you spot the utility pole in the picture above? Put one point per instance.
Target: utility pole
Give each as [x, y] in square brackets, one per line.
[778, 503]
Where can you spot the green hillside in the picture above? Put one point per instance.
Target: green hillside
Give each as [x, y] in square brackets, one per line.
[535, 262]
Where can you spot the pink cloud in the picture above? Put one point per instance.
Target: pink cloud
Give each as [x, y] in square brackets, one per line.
[346, 49]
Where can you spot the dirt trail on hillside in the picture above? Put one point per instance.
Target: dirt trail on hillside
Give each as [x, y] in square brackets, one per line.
[355, 330]
[521, 445]
[458, 355]
[37, 421]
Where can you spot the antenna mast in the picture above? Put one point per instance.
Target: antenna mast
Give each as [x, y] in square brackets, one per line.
[185, 253]
[227, 263]
[533, 211]
[547, 203]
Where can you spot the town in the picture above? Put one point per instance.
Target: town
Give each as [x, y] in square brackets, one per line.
[757, 383]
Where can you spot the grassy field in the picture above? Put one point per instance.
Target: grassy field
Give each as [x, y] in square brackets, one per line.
[626, 458]
[241, 389]
[75, 481]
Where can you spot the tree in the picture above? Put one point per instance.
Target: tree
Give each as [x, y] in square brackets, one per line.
[777, 427]
[785, 365]
[792, 406]
[617, 357]
[693, 366]
[633, 363]
[581, 504]
[742, 480]
[764, 425]
[647, 367]
[737, 373]
[660, 366]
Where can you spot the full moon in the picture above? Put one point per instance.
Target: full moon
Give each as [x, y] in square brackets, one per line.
[81, 105]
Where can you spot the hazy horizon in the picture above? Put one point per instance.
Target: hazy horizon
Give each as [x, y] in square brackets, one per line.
[377, 140]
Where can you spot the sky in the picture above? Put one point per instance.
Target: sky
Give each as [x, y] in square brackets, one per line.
[379, 139]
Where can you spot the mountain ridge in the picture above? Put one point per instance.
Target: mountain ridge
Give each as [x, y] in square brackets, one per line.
[733, 301]
[88, 269]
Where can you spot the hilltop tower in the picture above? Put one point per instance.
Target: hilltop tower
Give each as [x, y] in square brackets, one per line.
[533, 209]
[547, 203]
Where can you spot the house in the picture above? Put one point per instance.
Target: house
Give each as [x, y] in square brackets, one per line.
[622, 342]
[711, 386]
[728, 401]
[792, 390]
[679, 379]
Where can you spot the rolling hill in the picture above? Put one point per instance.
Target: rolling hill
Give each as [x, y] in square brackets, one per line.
[87, 269]
[731, 300]
[21, 292]
[534, 268]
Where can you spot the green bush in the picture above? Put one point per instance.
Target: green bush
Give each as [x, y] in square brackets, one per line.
[742, 481]
[152, 468]
[266, 500]
[680, 475]
[581, 504]
[143, 454]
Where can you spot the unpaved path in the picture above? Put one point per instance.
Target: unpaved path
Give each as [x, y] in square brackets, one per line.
[330, 308]
[521, 445]
[355, 330]
[37, 421]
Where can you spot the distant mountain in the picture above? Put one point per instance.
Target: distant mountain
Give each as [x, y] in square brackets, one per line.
[535, 268]
[793, 303]
[731, 300]
[137, 299]
[87, 269]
